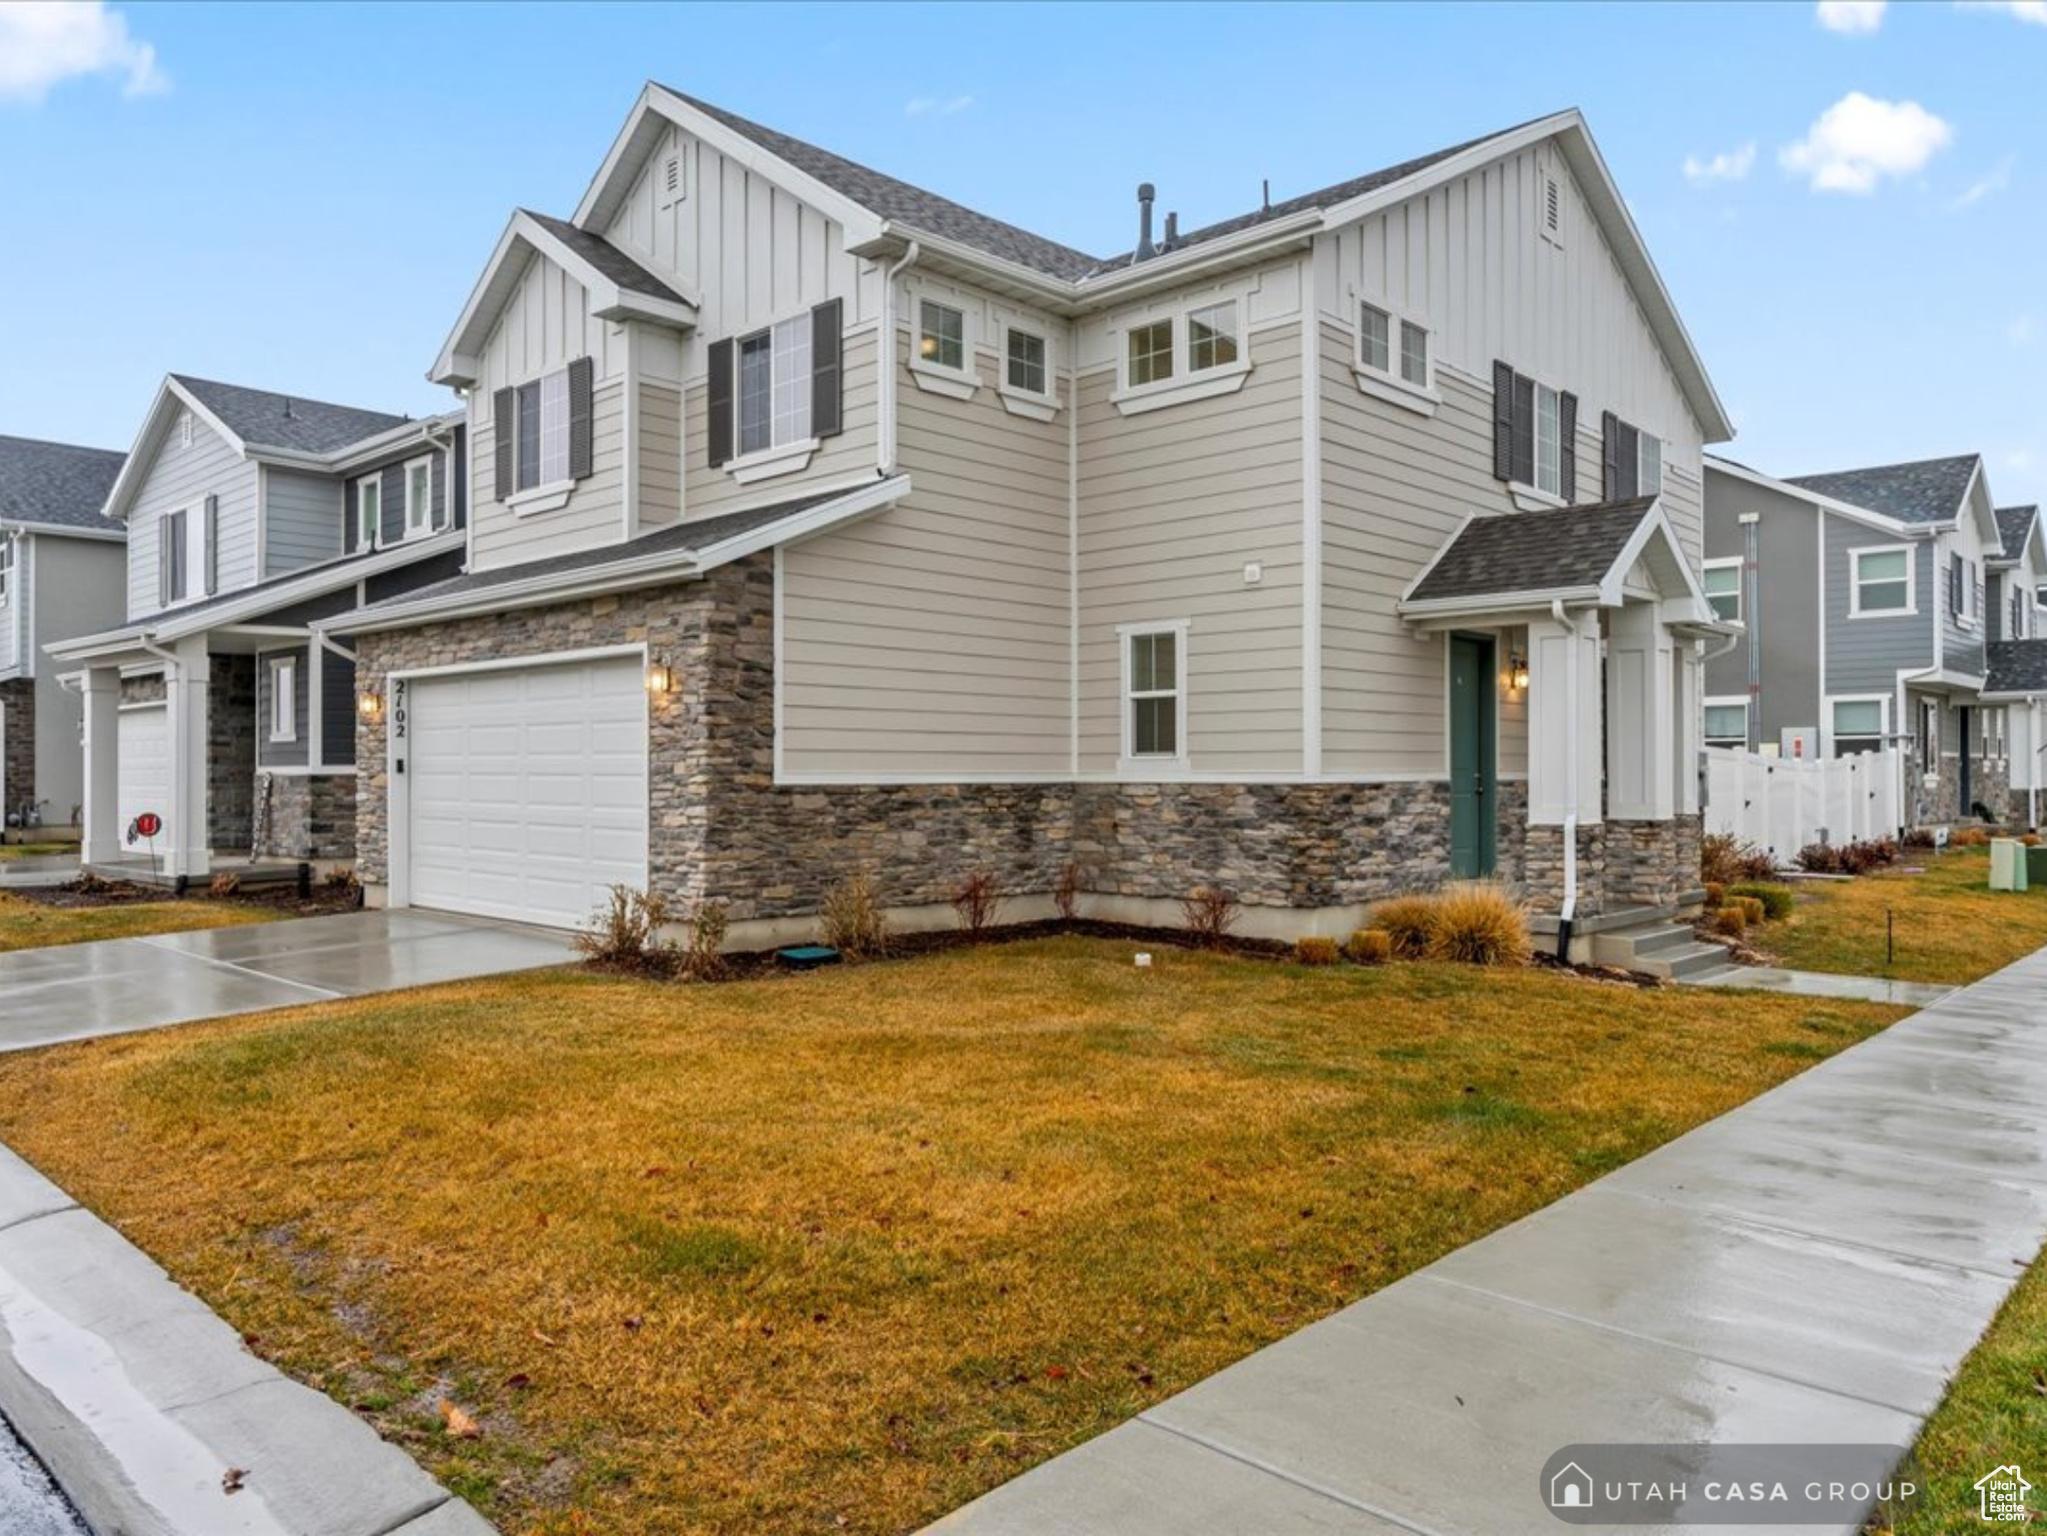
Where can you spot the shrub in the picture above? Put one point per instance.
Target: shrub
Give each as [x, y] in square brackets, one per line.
[1919, 837]
[626, 932]
[1715, 893]
[851, 919]
[2031, 839]
[1846, 858]
[1315, 950]
[1408, 923]
[1369, 946]
[1757, 865]
[1720, 855]
[1970, 837]
[1775, 900]
[225, 884]
[1210, 911]
[1066, 892]
[704, 958]
[1752, 910]
[1479, 923]
[976, 901]
[1730, 922]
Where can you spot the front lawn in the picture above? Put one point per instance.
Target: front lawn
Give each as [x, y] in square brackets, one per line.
[27, 924]
[10, 851]
[1949, 925]
[841, 1251]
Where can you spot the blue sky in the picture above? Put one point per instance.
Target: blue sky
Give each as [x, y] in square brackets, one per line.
[1850, 215]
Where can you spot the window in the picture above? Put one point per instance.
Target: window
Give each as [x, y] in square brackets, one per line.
[540, 419]
[1649, 466]
[1858, 726]
[6, 568]
[419, 496]
[1211, 337]
[174, 552]
[1151, 353]
[1929, 738]
[1961, 591]
[775, 386]
[1414, 354]
[1534, 435]
[1025, 367]
[284, 699]
[1375, 339]
[1723, 589]
[1881, 580]
[942, 336]
[1154, 691]
[1548, 442]
[369, 511]
[1727, 724]
[2017, 631]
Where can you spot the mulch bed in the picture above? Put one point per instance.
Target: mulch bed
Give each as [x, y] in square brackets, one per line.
[91, 891]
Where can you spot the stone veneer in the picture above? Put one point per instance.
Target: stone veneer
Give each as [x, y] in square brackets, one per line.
[1939, 804]
[721, 828]
[18, 769]
[231, 754]
[305, 816]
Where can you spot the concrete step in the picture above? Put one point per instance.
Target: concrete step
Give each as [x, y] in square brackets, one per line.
[1657, 941]
[1689, 963]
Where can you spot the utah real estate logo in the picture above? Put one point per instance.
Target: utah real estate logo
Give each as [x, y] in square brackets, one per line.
[2004, 1492]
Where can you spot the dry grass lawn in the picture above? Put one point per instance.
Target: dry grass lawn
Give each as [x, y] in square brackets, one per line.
[1950, 926]
[840, 1251]
[34, 850]
[28, 924]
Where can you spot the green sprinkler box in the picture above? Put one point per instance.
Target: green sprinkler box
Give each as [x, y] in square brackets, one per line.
[2036, 867]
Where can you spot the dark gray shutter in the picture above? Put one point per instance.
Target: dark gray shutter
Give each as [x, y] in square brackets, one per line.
[1524, 430]
[350, 518]
[1627, 469]
[721, 402]
[502, 406]
[1503, 422]
[1567, 447]
[1609, 456]
[827, 326]
[582, 421]
[391, 506]
[212, 545]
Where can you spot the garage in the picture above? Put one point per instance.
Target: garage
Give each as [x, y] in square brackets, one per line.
[527, 789]
[143, 758]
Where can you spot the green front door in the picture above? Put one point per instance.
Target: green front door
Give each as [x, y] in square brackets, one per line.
[1473, 823]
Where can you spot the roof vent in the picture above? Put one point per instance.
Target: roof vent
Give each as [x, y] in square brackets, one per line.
[1172, 233]
[1265, 194]
[1145, 249]
[287, 408]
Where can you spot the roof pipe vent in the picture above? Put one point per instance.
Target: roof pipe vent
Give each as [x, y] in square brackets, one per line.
[1145, 249]
[287, 408]
[1172, 232]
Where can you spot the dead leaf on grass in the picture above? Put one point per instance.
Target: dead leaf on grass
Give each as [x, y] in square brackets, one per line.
[460, 1424]
[231, 1479]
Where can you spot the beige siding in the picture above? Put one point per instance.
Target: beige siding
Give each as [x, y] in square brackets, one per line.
[934, 637]
[182, 476]
[1174, 503]
[595, 512]
[660, 453]
[847, 458]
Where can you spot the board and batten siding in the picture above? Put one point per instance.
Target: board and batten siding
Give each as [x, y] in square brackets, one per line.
[934, 637]
[283, 754]
[1786, 620]
[848, 458]
[1865, 655]
[180, 477]
[302, 520]
[1174, 503]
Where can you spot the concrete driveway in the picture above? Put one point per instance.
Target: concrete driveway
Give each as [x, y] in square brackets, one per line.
[74, 991]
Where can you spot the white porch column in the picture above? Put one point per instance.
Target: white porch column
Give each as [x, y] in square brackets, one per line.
[1640, 720]
[1689, 701]
[186, 685]
[1563, 721]
[102, 791]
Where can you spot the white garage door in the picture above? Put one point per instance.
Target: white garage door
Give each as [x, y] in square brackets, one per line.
[528, 789]
[143, 758]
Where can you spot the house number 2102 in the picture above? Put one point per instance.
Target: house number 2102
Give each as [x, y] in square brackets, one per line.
[398, 712]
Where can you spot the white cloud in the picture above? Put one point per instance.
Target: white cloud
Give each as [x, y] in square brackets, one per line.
[1728, 165]
[1859, 140]
[2020, 330]
[1998, 178]
[1851, 15]
[2034, 11]
[2019, 459]
[937, 106]
[44, 44]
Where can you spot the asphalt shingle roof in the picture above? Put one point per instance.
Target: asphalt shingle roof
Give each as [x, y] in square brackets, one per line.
[1924, 491]
[1534, 551]
[265, 419]
[57, 483]
[605, 257]
[2016, 666]
[2014, 524]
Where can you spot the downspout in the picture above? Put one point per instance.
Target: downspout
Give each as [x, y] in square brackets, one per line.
[1751, 611]
[1570, 907]
[885, 427]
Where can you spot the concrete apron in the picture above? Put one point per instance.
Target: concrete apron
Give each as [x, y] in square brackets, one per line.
[1809, 1268]
[141, 1402]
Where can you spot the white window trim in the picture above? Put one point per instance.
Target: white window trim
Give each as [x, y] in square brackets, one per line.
[1386, 383]
[1127, 761]
[1185, 385]
[194, 515]
[936, 378]
[776, 458]
[281, 668]
[1038, 406]
[424, 527]
[373, 536]
[8, 561]
[1828, 735]
[1724, 701]
[1926, 737]
[766, 463]
[1527, 495]
[1727, 563]
[1855, 608]
[540, 498]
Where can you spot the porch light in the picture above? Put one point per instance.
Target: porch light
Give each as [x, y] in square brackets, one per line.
[660, 676]
[370, 704]
[1517, 672]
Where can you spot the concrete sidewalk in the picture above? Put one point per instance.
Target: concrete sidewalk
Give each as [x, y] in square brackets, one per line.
[75, 991]
[1809, 1268]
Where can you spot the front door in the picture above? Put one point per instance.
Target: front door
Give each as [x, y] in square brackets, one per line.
[1965, 792]
[1473, 820]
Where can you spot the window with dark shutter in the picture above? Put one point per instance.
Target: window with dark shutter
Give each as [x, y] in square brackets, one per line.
[582, 421]
[1609, 461]
[1627, 456]
[721, 403]
[1503, 422]
[1524, 430]
[348, 516]
[502, 406]
[212, 547]
[827, 329]
[1567, 438]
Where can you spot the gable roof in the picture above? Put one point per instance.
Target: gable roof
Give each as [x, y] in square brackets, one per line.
[262, 418]
[1923, 491]
[1569, 549]
[2016, 525]
[56, 485]
[2015, 666]
[606, 258]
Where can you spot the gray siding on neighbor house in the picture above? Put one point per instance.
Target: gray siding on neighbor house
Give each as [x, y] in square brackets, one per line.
[281, 754]
[183, 477]
[391, 528]
[1961, 649]
[302, 520]
[1865, 655]
[1786, 623]
[337, 710]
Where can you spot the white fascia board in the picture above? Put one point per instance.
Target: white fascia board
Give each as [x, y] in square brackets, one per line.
[108, 643]
[455, 366]
[1494, 604]
[1655, 525]
[333, 578]
[149, 440]
[408, 434]
[817, 520]
[62, 531]
[1844, 509]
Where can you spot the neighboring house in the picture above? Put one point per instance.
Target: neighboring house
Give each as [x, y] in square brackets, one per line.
[251, 514]
[825, 525]
[1868, 597]
[60, 574]
[2016, 672]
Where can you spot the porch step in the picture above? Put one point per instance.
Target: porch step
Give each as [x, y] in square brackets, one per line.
[1657, 946]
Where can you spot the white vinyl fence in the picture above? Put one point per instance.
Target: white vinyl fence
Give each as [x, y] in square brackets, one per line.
[1783, 803]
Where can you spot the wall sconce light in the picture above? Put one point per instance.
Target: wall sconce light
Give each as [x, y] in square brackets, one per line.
[370, 704]
[660, 676]
[1517, 672]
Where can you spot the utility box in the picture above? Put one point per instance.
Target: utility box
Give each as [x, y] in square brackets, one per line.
[2007, 864]
[2036, 868]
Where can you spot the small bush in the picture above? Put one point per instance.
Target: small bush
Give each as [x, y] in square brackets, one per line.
[342, 878]
[225, 884]
[1752, 909]
[1315, 951]
[1776, 900]
[1210, 911]
[704, 957]
[626, 932]
[1715, 894]
[1479, 923]
[1730, 922]
[1757, 865]
[1369, 946]
[1919, 837]
[976, 901]
[1408, 922]
[1725, 858]
[2031, 839]
[1066, 892]
[1847, 858]
[851, 919]
[1970, 837]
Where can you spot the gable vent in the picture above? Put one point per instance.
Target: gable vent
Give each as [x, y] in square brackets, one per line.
[1552, 207]
[185, 430]
[671, 179]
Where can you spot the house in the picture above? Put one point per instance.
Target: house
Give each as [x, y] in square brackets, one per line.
[1869, 597]
[2016, 657]
[211, 705]
[823, 524]
[60, 574]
